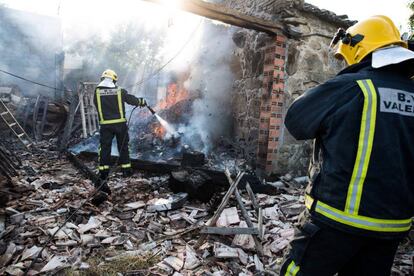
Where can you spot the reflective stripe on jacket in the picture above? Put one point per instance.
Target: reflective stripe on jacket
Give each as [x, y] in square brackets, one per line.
[110, 104]
[363, 121]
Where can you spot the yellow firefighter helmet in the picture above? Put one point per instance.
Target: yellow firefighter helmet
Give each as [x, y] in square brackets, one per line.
[365, 37]
[110, 74]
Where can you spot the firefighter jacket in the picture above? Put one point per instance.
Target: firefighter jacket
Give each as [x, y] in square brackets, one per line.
[363, 122]
[110, 103]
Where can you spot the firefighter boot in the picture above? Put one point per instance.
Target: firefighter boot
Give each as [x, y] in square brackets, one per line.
[127, 172]
[102, 183]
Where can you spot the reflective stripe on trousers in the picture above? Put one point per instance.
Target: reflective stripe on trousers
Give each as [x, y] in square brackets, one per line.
[292, 269]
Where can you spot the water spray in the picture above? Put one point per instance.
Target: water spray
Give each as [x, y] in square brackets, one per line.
[168, 127]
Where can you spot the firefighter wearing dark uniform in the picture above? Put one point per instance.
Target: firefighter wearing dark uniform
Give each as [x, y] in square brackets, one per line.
[110, 102]
[360, 201]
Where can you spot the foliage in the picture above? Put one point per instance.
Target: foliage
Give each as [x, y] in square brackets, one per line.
[411, 19]
[132, 265]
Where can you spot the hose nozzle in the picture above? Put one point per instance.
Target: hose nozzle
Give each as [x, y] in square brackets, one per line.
[151, 110]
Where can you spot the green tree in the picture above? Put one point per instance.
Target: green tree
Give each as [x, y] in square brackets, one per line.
[411, 19]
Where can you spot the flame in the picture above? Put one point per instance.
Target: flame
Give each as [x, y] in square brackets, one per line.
[158, 131]
[175, 93]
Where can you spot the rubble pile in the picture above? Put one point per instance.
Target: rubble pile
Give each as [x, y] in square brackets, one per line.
[144, 229]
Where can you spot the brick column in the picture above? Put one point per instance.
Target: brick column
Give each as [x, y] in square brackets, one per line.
[272, 104]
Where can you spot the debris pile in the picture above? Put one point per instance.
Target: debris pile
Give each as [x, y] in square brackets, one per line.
[8, 163]
[150, 141]
[144, 228]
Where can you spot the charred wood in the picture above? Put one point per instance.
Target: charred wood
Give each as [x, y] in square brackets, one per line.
[227, 15]
[193, 159]
[45, 119]
[160, 168]
[257, 185]
[87, 172]
[9, 163]
[70, 120]
[197, 184]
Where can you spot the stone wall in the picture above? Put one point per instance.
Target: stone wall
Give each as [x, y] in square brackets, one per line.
[266, 9]
[309, 62]
[248, 88]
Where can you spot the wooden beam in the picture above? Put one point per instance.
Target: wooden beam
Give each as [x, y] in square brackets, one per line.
[87, 172]
[249, 222]
[221, 207]
[226, 15]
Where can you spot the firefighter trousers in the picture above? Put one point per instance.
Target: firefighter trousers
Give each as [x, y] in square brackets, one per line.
[107, 134]
[319, 250]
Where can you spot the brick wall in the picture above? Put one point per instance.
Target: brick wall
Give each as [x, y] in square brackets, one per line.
[272, 105]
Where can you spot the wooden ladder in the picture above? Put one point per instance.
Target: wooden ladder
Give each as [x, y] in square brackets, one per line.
[14, 126]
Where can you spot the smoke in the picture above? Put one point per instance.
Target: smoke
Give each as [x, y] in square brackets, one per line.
[211, 74]
[134, 46]
[134, 38]
[30, 46]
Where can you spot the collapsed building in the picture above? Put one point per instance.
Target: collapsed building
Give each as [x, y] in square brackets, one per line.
[227, 111]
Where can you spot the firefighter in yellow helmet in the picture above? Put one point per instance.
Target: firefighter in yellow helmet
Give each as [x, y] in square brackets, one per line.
[110, 103]
[360, 199]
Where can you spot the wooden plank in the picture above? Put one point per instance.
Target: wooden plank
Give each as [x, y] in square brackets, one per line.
[83, 168]
[34, 118]
[222, 205]
[226, 15]
[44, 116]
[82, 110]
[27, 112]
[260, 223]
[252, 198]
[226, 198]
[6, 170]
[230, 231]
[246, 216]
